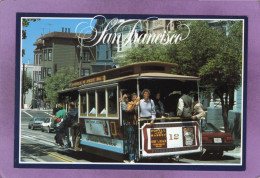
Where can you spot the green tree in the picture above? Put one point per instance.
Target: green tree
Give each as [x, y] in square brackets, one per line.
[147, 52]
[27, 83]
[57, 82]
[25, 23]
[223, 71]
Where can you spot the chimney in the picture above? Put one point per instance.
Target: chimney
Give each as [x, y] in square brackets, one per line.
[62, 29]
[65, 30]
[68, 30]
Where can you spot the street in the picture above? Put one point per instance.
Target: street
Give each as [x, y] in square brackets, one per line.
[38, 146]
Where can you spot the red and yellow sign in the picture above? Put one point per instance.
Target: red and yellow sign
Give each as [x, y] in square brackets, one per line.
[158, 138]
[90, 80]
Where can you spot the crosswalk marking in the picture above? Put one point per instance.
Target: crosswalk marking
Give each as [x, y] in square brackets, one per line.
[27, 113]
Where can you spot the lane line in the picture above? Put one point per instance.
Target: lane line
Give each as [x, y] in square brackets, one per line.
[59, 157]
[48, 113]
[27, 113]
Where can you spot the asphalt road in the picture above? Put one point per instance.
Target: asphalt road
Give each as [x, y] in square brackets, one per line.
[38, 146]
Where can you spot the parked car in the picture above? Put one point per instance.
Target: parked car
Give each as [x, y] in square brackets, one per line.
[214, 141]
[47, 125]
[36, 123]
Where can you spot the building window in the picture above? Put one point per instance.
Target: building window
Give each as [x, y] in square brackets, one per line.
[45, 55]
[48, 71]
[38, 59]
[40, 75]
[45, 72]
[42, 72]
[49, 54]
[84, 72]
[86, 56]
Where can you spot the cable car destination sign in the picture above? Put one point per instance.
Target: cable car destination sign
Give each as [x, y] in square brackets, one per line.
[89, 80]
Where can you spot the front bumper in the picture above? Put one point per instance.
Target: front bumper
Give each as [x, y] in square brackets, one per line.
[37, 126]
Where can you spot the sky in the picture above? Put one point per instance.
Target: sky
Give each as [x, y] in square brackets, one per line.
[48, 25]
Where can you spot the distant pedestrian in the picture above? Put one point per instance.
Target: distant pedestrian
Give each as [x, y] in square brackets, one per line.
[38, 104]
[44, 104]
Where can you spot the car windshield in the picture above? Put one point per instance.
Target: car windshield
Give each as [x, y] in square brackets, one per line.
[39, 119]
[47, 120]
[209, 128]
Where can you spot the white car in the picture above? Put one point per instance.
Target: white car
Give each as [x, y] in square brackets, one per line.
[47, 125]
[36, 123]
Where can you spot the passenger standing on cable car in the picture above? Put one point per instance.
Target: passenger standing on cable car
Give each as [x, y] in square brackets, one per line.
[123, 103]
[198, 111]
[71, 121]
[184, 108]
[60, 115]
[159, 106]
[132, 142]
[147, 106]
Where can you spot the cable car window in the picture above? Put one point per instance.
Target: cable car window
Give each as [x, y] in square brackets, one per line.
[112, 102]
[91, 104]
[83, 105]
[101, 99]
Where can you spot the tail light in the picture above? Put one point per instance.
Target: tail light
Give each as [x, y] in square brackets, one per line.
[205, 139]
[229, 139]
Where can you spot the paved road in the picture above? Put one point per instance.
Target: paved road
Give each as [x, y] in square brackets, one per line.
[38, 146]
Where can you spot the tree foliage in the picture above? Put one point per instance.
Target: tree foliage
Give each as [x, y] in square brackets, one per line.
[58, 81]
[144, 53]
[27, 83]
[208, 52]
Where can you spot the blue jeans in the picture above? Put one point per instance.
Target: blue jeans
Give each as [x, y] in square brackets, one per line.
[132, 142]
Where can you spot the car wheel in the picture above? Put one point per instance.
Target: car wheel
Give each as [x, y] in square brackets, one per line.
[42, 129]
[29, 127]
